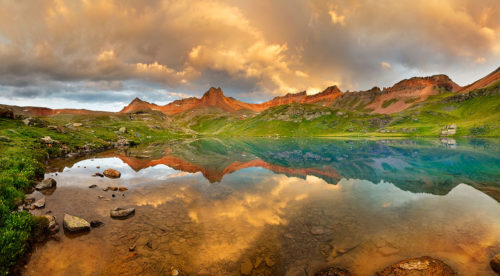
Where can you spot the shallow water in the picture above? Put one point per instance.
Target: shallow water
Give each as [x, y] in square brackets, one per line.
[287, 206]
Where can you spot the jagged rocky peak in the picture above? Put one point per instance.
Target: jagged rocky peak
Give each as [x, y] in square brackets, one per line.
[331, 90]
[137, 100]
[213, 92]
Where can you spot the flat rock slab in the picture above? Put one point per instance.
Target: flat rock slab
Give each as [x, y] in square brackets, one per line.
[122, 213]
[418, 266]
[75, 224]
[46, 184]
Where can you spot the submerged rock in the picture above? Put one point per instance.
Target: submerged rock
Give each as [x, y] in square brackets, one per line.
[495, 263]
[333, 271]
[418, 266]
[98, 174]
[112, 173]
[46, 184]
[122, 213]
[96, 223]
[122, 189]
[92, 186]
[246, 266]
[75, 224]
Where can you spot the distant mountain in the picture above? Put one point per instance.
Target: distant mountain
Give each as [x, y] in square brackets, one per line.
[214, 97]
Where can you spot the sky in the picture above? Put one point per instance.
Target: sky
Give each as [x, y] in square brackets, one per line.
[102, 54]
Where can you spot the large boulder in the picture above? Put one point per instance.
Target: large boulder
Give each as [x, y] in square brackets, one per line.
[121, 212]
[495, 263]
[6, 113]
[75, 224]
[112, 173]
[46, 184]
[418, 266]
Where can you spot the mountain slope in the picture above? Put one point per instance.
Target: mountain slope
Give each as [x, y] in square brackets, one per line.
[407, 92]
[490, 79]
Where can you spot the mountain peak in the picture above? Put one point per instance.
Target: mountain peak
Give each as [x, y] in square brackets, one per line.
[213, 92]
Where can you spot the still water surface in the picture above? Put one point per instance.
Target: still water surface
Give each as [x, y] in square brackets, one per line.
[286, 206]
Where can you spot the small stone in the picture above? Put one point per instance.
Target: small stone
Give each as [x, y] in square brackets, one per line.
[97, 174]
[77, 124]
[122, 213]
[75, 224]
[40, 203]
[29, 199]
[123, 130]
[92, 186]
[53, 227]
[149, 244]
[269, 261]
[495, 263]
[122, 189]
[112, 188]
[100, 197]
[333, 271]
[246, 266]
[112, 173]
[131, 248]
[46, 184]
[175, 272]
[387, 250]
[96, 223]
[317, 230]
[258, 261]
[105, 189]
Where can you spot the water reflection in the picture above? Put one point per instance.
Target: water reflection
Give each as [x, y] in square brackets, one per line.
[285, 206]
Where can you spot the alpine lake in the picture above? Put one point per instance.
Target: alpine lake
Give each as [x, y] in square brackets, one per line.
[288, 206]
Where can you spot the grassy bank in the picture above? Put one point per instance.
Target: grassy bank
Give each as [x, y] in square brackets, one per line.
[22, 163]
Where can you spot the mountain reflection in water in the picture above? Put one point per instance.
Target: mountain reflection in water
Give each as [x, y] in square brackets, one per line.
[287, 206]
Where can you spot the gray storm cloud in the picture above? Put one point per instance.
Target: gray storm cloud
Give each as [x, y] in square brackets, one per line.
[116, 50]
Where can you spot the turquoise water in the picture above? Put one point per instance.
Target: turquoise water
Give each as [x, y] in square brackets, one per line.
[286, 206]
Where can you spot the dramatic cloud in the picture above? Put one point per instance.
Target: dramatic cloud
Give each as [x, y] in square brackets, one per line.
[114, 50]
